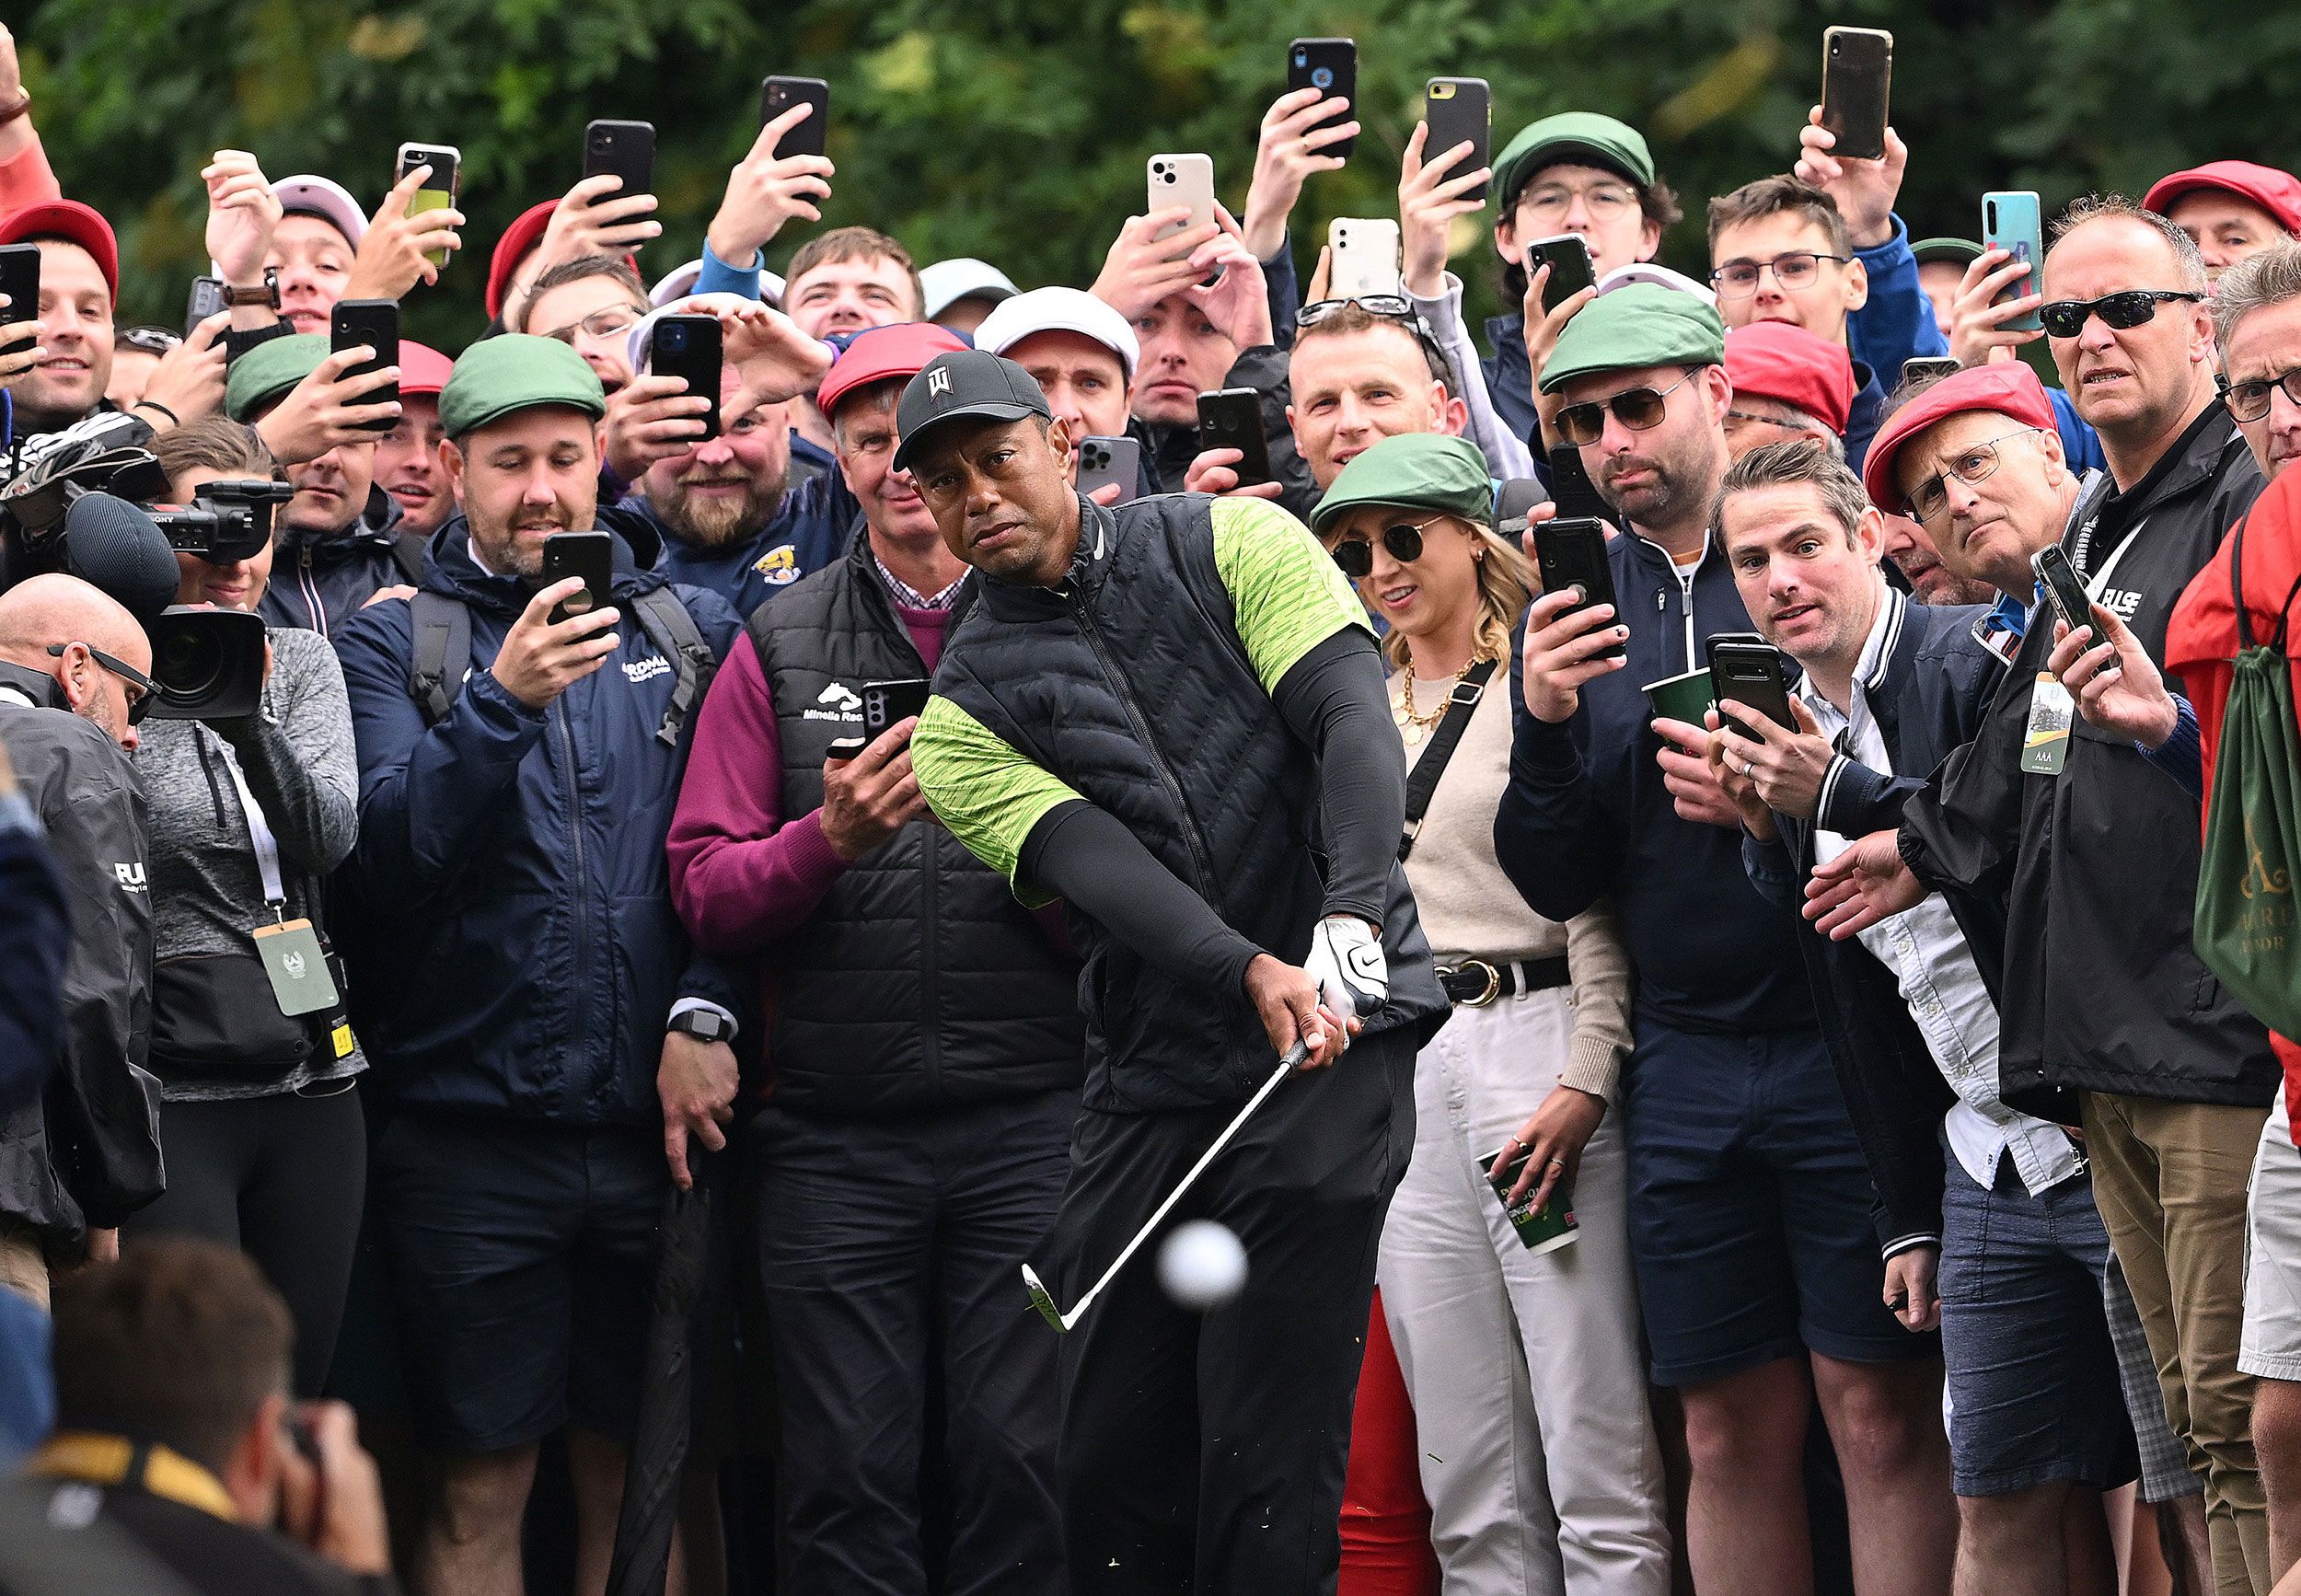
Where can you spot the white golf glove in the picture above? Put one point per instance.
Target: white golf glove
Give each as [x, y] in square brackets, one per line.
[1345, 960]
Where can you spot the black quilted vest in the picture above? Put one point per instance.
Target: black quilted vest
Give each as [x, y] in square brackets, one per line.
[919, 981]
[1130, 684]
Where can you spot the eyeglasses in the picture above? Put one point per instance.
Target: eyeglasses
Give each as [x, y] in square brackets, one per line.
[1639, 409]
[144, 692]
[1975, 464]
[1604, 202]
[2066, 318]
[604, 323]
[1796, 269]
[2249, 402]
[1402, 541]
[150, 340]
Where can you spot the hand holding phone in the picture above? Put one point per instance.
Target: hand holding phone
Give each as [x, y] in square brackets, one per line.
[588, 555]
[627, 149]
[1571, 269]
[1110, 463]
[1457, 110]
[690, 348]
[2063, 586]
[812, 135]
[1570, 554]
[19, 280]
[1181, 179]
[439, 190]
[1329, 67]
[2012, 221]
[1363, 258]
[1755, 674]
[1857, 77]
[373, 324]
[1231, 418]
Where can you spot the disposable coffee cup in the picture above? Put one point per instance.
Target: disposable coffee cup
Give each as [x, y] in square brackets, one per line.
[1540, 1230]
[1682, 698]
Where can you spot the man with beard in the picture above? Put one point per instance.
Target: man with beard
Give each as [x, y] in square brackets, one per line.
[1750, 1208]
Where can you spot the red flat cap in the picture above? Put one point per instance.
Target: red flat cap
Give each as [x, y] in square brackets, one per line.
[1778, 361]
[423, 369]
[517, 243]
[74, 223]
[2009, 388]
[881, 354]
[2278, 192]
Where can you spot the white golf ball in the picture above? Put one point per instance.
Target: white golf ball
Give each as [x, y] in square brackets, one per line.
[1202, 1266]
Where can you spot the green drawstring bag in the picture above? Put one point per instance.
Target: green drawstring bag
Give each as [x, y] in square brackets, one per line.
[2246, 926]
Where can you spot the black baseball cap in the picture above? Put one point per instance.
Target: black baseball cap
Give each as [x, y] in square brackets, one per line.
[965, 385]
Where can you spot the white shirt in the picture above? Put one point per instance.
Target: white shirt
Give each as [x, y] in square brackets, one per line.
[1940, 982]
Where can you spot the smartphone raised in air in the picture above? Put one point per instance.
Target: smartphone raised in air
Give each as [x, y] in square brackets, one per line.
[1106, 462]
[1331, 66]
[689, 347]
[19, 280]
[1231, 418]
[778, 95]
[1570, 553]
[376, 324]
[1857, 79]
[2012, 221]
[439, 190]
[625, 148]
[1362, 257]
[1571, 270]
[1458, 108]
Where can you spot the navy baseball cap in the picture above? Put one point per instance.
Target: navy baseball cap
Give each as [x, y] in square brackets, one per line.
[965, 385]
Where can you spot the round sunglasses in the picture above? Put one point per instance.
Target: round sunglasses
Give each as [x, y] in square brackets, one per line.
[1402, 541]
[2066, 318]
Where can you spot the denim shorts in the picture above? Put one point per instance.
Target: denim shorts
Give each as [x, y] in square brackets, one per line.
[2034, 1396]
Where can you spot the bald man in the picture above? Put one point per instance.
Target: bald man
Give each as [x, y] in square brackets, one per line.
[74, 668]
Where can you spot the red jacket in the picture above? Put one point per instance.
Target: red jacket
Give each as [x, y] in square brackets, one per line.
[2200, 645]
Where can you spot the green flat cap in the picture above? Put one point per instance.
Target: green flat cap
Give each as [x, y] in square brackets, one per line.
[1581, 136]
[514, 372]
[263, 376]
[1956, 251]
[1642, 325]
[1412, 471]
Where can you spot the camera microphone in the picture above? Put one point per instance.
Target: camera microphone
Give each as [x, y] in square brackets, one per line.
[117, 548]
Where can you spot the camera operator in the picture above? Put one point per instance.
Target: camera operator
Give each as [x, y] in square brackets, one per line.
[74, 675]
[267, 1152]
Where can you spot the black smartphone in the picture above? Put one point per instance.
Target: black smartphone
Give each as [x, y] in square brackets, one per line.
[1925, 367]
[439, 190]
[1331, 66]
[778, 95]
[1747, 671]
[886, 703]
[590, 555]
[2064, 587]
[1106, 461]
[1571, 553]
[1457, 109]
[205, 299]
[375, 323]
[1570, 486]
[625, 148]
[1856, 75]
[1567, 256]
[1231, 418]
[19, 280]
[688, 347]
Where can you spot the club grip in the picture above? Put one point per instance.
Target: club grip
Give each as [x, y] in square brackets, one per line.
[1296, 1055]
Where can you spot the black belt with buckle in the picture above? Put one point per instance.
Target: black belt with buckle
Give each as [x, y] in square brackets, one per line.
[1475, 983]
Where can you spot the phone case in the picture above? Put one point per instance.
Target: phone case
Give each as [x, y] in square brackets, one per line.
[625, 148]
[778, 95]
[2011, 220]
[1104, 461]
[1181, 179]
[590, 555]
[1857, 80]
[1572, 553]
[1331, 66]
[374, 322]
[1571, 270]
[689, 347]
[1232, 419]
[439, 190]
[1752, 674]
[886, 703]
[205, 300]
[19, 280]
[1920, 367]
[1458, 109]
[1363, 257]
[2063, 586]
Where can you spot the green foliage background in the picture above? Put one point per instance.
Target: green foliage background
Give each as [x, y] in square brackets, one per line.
[1017, 130]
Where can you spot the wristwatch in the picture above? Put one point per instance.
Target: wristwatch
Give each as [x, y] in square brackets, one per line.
[267, 295]
[703, 1024]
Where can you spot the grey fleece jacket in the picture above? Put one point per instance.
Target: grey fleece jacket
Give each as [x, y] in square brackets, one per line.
[207, 893]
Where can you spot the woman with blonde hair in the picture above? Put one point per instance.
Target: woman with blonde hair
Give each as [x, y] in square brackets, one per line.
[1536, 1447]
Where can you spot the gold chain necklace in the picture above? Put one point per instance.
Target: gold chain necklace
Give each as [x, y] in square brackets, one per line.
[1414, 726]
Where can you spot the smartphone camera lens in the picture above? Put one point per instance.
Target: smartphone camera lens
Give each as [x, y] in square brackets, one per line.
[1322, 78]
[673, 339]
[1302, 58]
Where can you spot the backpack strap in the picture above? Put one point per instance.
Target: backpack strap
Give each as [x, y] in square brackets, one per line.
[407, 553]
[442, 652]
[2236, 583]
[674, 632]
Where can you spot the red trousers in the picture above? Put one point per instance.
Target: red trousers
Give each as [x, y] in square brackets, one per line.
[1385, 1522]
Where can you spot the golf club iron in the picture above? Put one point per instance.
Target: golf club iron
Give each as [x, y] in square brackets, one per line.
[1044, 1299]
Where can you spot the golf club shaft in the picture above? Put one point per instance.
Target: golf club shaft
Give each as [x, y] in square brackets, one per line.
[1287, 1066]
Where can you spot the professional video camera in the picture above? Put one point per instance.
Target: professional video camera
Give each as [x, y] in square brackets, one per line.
[75, 511]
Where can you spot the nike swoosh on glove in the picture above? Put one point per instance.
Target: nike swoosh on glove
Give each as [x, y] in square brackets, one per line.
[1347, 961]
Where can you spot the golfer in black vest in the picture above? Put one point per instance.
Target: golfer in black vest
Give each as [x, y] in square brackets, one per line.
[1171, 715]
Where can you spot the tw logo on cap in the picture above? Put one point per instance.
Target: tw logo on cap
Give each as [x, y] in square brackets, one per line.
[938, 381]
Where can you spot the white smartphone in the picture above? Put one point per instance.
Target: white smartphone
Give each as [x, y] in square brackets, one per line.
[1363, 257]
[1182, 179]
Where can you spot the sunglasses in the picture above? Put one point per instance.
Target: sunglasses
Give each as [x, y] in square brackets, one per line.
[1402, 541]
[1639, 409]
[146, 691]
[2249, 401]
[2066, 318]
[1389, 306]
[150, 340]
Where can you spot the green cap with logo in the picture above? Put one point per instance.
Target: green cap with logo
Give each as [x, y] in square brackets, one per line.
[1583, 137]
[1642, 325]
[263, 376]
[1412, 471]
[516, 371]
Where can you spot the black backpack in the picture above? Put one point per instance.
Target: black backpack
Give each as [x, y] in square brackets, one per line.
[443, 654]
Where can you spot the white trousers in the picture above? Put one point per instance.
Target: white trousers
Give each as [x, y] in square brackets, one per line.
[1536, 1447]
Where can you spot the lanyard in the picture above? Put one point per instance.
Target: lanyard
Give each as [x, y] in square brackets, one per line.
[259, 835]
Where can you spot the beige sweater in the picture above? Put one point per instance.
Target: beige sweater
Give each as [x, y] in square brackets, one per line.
[1469, 908]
